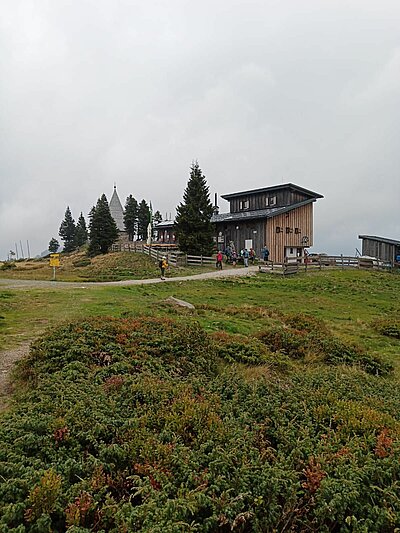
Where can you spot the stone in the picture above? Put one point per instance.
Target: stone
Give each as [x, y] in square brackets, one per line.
[179, 303]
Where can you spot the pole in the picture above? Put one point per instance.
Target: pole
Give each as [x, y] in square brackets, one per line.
[29, 252]
[54, 273]
[22, 251]
[16, 249]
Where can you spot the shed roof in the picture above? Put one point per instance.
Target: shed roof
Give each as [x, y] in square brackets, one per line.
[379, 239]
[259, 213]
[274, 188]
[164, 224]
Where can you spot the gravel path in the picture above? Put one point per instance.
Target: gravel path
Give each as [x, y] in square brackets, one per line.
[24, 283]
[9, 357]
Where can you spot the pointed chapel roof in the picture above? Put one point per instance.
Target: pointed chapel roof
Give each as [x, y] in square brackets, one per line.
[116, 210]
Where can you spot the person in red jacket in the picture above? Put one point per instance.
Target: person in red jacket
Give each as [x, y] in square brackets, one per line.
[218, 264]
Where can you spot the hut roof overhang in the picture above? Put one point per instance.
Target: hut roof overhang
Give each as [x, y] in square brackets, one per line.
[290, 186]
[259, 213]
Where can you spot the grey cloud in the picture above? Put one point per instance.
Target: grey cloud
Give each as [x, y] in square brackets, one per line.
[259, 92]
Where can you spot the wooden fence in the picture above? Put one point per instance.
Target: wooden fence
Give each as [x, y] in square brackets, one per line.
[290, 266]
[319, 262]
[157, 251]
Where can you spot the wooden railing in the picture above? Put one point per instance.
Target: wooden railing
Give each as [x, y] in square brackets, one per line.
[319, 262]
[157, 251]
[289, 266]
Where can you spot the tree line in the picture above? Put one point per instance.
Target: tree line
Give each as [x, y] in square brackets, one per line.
[193, 227]
[102, 231]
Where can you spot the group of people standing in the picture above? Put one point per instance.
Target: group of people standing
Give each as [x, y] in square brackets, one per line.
[232, 257]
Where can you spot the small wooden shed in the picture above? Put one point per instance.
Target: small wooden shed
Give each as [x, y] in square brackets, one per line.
[380, 247]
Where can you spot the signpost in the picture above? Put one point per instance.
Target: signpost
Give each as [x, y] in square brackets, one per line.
[54, 262]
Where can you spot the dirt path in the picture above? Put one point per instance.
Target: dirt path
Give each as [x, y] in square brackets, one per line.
[9, 357]
[7, 360]
[29, 284]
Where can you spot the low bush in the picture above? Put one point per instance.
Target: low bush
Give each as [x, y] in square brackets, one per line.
[8, 265]
[85, 261]
[151, 344]
[126, 425]
[389, 327]
[240, 349]
[303, 336]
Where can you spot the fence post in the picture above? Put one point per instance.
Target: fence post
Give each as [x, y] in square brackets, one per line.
[201, 259]
[341, 256]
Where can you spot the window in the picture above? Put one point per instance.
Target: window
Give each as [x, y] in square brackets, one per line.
[278, 229]
[289, 230]
[271, 200]
[243, 204]
[297, 231]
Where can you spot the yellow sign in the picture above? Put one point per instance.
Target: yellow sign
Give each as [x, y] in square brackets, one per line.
[54, 260]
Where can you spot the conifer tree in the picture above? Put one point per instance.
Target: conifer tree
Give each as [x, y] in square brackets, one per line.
[81, 232]
[144, 218]
[131, 217]
[67, 231]
[103, 231]
[157, 218]
[54, 245]
[193, 227]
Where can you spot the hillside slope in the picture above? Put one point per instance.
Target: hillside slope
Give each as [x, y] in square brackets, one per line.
[77, 266]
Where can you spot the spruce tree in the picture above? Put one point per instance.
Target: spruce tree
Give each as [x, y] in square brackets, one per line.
[103, 231]
[143, 220]
[131, 217]
[67, 231]
[81, 233]
[193, 227]
[54, 245]
[157, 218]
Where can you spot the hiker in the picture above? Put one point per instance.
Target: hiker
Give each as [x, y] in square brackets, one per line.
[163, 265]
[265, 253]
[246, 257]
[252, 255]
[234, 258]
[218, 264]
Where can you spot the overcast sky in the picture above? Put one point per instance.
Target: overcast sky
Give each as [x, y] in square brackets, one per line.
[262, 92]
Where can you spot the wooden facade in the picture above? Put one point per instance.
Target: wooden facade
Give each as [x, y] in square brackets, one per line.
[279, 217]
[240, 232]
[380, 247]
[275, 197]
[290, 233]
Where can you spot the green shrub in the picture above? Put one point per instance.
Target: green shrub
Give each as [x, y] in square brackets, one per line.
[131, 428]
[8, 265]
[82, 262]
[389, 327]
[305, 336]
[289, 341]
[152, 344]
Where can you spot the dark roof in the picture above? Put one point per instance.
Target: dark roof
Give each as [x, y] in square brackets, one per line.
[379, 239]
[291, 186]
[259, 213]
